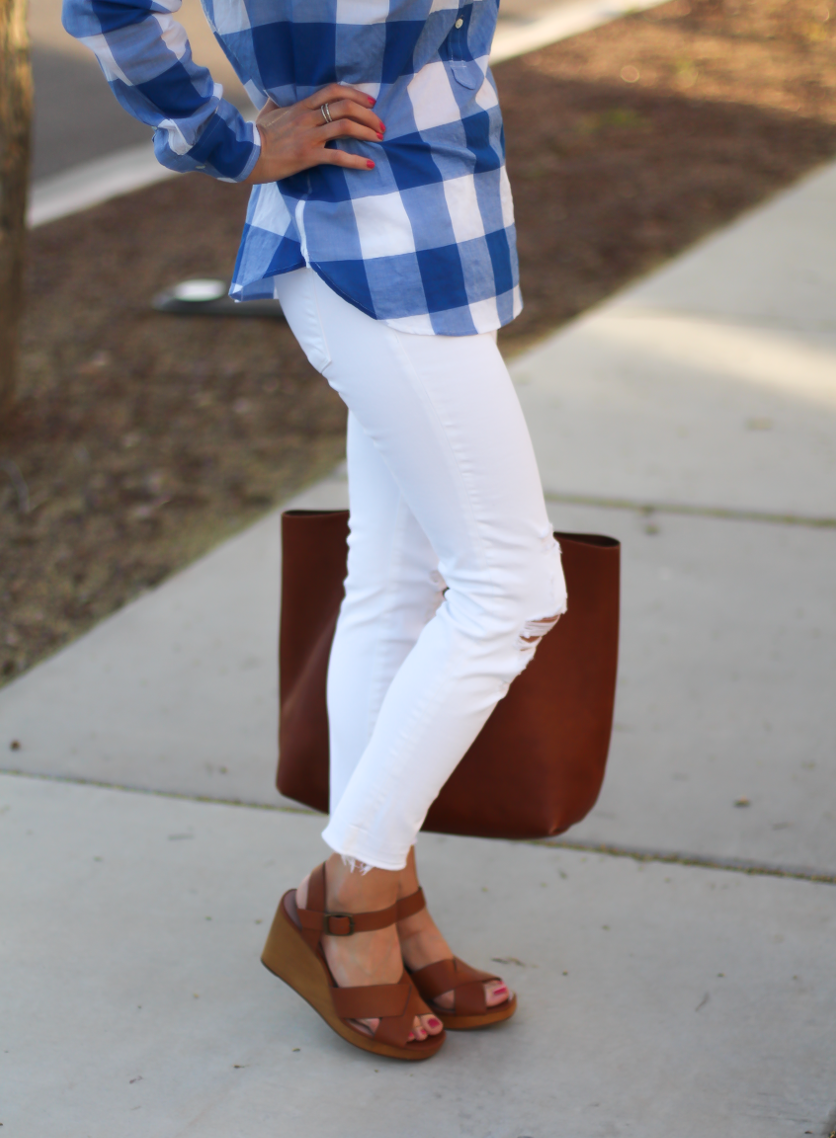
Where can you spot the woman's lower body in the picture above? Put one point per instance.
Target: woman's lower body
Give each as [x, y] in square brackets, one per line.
[453, 578]
[453, 573]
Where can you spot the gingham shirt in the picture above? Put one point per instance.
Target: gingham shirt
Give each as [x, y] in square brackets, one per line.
[426, 240]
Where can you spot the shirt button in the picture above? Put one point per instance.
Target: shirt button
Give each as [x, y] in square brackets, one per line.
[460, 22]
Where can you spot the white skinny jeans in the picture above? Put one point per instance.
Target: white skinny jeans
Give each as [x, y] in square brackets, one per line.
[445, 495]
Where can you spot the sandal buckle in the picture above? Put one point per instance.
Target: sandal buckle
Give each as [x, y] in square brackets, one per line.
[327, 918]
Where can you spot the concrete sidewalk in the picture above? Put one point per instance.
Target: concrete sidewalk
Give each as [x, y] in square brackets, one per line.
[655, 1001]
[693, 417]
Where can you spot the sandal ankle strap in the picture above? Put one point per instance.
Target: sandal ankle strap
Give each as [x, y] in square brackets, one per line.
[318, 921]
[347, 924]
[409, 906]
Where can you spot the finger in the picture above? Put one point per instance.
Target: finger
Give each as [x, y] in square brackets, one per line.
[343, 158]
[336, 91]
[348, 128]
[348, 109]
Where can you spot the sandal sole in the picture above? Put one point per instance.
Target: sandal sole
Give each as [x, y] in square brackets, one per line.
[473, 1023]
[288, 956]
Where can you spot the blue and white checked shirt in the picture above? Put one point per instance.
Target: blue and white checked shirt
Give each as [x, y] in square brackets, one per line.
[426, 240]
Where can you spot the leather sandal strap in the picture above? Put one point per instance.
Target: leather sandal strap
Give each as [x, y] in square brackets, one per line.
[394, 1005]
[346, 924]
[372, 1001]
[469, 999]
[409, 906]
[315, 904]
[316, 921]
[455, 976]
[396, 1031]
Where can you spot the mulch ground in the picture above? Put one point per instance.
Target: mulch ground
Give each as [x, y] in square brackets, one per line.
[144, 439]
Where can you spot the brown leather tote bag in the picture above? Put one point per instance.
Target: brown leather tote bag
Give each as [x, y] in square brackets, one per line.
[537, 766]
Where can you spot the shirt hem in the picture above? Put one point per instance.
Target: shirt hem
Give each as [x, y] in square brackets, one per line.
[263, 288]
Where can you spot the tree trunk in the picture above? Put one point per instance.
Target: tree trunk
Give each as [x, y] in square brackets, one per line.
[15, 119]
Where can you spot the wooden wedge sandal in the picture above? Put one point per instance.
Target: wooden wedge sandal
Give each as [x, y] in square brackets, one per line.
[470, 1007]
[293, 952]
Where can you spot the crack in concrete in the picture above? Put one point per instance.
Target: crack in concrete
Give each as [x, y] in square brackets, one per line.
[699, 861]
[722, 512]
[78, 780]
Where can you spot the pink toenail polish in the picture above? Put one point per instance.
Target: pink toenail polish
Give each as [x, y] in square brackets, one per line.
[435, 1022]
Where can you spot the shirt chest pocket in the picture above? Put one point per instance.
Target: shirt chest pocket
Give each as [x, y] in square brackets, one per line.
[465, 40]
[468, 73]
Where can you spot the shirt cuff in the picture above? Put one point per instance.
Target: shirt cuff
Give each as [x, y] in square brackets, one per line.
[227, 147]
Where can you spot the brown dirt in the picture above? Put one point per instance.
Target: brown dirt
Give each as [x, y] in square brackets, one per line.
[145, 439]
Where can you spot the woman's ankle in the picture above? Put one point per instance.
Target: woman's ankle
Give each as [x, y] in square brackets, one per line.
[354, 889]
[408, 876]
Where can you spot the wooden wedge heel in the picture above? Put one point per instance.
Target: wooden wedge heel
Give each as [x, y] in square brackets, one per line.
[470, 1008]
[294, 953]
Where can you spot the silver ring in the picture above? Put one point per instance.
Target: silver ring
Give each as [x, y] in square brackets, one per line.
[326, 114]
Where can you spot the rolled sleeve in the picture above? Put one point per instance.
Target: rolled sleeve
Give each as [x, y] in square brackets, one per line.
[147, 61]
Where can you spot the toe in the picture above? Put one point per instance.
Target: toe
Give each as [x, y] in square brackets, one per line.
[496, 992]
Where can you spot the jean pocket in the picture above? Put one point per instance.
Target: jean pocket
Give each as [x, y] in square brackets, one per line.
[296, 291]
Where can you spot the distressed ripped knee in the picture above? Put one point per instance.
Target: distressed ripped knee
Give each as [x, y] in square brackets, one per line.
[439, 589]
[533, 631]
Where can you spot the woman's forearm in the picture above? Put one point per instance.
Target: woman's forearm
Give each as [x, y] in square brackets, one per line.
[147, 61]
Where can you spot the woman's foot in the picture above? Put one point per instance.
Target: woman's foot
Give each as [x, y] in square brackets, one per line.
[423, 944]
[364, 958]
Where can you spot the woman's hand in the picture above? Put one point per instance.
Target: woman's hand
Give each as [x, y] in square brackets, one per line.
[293, 138]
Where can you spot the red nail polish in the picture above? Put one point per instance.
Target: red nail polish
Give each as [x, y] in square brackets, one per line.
[370, 164]
[383, 126]
[435, 1022]
[371, 101]
[380, 136]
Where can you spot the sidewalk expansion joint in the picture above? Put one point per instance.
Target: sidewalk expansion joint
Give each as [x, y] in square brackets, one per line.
[698, 861]
[77, 780]
[723, 512]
